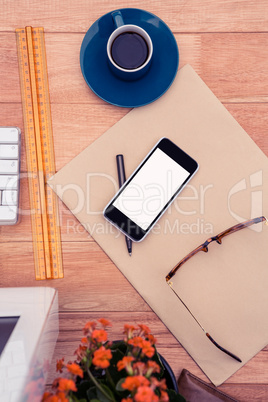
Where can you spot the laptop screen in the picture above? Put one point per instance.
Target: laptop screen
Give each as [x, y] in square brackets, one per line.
[7, 324]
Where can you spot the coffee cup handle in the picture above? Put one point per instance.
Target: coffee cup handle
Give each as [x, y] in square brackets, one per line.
[117, 18]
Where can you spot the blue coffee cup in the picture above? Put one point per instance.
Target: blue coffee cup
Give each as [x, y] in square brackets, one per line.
[129, 49]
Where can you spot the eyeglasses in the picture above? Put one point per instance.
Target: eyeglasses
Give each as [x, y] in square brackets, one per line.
[204, 247]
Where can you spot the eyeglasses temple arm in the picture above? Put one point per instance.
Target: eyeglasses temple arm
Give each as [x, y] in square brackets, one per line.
[240, 226]
[188, 256]
[207, 334]
[218, 238]
[223, 349]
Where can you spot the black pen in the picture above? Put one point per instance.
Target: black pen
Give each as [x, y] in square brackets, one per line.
[121, 180]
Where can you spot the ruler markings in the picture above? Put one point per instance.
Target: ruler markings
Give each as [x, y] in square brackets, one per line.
[47, 145]
[39, 152]
[42, 203]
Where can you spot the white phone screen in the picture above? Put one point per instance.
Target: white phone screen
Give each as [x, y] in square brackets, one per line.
[151, 189]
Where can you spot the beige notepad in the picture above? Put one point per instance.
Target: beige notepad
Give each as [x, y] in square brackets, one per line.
[226, 288]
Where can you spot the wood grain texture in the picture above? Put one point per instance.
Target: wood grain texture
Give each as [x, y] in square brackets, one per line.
[233, 65]
[226, 42]
[75, 126]
[180, 15]
[91, 281]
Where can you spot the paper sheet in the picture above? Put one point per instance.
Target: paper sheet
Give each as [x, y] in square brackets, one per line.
[226, 288]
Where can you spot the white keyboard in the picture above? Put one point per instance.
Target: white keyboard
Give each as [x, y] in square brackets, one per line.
[10, 144]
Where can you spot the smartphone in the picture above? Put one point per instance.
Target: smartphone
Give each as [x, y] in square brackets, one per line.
[148, 192]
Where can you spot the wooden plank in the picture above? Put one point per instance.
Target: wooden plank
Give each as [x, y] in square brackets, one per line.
[72, 323]
[181, 16]
[246, 392]
[91, 281]
[233, 66]
[97, 119]
[75, 126]
[254, 120]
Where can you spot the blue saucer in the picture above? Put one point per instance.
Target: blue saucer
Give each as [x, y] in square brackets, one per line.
[98, 76]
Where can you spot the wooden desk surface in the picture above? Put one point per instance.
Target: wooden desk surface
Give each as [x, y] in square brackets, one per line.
[226, 42]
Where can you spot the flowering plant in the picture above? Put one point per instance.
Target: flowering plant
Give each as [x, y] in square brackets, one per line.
[128, 371]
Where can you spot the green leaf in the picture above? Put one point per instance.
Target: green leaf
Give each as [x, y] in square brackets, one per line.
[119, 385]
[91, 393]
[73, 398]
[156, 358]
[108, 392]
[121, 392]
[174, 396]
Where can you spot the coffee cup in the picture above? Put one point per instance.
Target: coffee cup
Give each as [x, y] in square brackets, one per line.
[129, 49]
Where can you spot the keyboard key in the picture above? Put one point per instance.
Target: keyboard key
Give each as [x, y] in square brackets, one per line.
[10, 182]
[9, 135]
[8, 215]
[9, 151]
[9, 175]
[9, 197]
[9, 166]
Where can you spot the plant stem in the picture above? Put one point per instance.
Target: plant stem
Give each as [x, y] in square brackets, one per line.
[110, 378]
[99, 386]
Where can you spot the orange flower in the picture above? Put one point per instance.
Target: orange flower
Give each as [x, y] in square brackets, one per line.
[164, 397]
[134, 382]
[101, 357]
[152, 367]
[139, 368]
[128, 330]
[105, 323]
[159, 384]
[145, 394]
[84, 340]
[99, 335]
[66, 385]
[61, 397]
[152, 339]
[55, 382]
[60, 365]
[137, 341]
[80, 352]
[125, 363]
[144, 329]
[127, 400]
[90, 325]
[46, 395]
[147, 349]
[75, 369]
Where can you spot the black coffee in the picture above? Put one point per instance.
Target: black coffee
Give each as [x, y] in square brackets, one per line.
[129, 50]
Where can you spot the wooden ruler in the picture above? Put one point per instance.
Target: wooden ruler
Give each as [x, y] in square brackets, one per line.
[39, 152]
